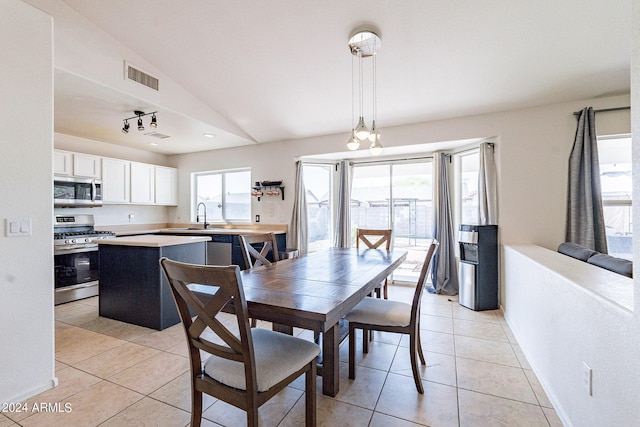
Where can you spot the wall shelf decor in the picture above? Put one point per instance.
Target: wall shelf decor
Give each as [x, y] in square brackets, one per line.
[267, 188]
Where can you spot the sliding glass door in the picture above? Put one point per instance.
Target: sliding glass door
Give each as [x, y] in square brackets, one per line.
[396, 195]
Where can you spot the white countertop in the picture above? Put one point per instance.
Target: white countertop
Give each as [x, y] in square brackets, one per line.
[153, 240]
[213, 230]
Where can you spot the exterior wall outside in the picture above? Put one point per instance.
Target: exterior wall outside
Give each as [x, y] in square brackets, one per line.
[26, 263]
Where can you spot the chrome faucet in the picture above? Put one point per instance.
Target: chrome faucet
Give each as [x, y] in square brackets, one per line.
[205, 214]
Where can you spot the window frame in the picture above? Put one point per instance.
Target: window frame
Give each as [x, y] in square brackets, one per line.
[222, 173]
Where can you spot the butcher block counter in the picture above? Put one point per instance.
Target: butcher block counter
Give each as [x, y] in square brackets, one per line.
[132, 286]
[153, 240]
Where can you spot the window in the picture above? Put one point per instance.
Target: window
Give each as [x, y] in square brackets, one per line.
[468, 187]
[396, 195]
[614, 154]
[225, 194]
[318, 184]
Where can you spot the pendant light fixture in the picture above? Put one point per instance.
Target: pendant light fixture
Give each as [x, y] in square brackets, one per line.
[353, 143]
[364, 44]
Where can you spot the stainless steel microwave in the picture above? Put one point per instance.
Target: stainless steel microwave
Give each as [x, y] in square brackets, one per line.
[70, 192]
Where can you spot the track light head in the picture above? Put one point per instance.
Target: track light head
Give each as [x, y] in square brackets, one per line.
[154, 123]
[125, 128]
[139, 115]
[140, 127]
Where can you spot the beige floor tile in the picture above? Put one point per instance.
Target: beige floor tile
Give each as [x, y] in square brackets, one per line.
[440, 368]
[438, 299]
[483, 330]
[178, 393]
[60, 366]
[70, 382]
[89, 408]
[152, 373]
[486, 350]
[114, 361]
[437, 407]
[329, 413]
[382, 420]
[101, 324]
[436, 323]
[482, 410]
[441, 310]
[74, 313]
[270, 414]
[363, 391]
[537, 389]
[380, 355]
[163, 340]
[494, 379]
[524, 363]
[492, 316]
[6, 422]
[435, 342]
[87, 344]
[181, 349]
[93, 301]
[129, 332]
[552, 417]
[149, 413]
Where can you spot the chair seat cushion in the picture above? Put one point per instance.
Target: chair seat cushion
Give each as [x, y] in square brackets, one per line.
[277, 356]
[374, 311]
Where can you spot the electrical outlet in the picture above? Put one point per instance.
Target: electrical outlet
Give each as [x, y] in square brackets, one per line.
[132, 217]
[257, 218]
[587, 376]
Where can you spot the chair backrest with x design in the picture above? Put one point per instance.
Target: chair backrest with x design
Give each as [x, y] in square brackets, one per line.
[256, 257]
[363, 234]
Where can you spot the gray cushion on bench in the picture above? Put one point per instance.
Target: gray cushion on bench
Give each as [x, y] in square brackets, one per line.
[618, 265]
[576, 251]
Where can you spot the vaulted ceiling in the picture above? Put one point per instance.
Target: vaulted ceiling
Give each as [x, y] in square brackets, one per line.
[280, 69]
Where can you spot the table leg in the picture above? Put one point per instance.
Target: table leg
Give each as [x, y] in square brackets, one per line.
[285, 329]
[331, 362]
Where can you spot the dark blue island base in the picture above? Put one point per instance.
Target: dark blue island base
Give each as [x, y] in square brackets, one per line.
[132, 286]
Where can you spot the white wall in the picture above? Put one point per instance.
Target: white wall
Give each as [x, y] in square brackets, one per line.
[26, 141]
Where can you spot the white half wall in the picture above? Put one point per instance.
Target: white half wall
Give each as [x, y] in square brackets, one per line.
[26, 143]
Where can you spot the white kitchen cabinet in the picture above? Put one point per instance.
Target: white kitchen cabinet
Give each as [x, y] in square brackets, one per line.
[142, 183]
[86, 165]
[116, 177]
[166, 185]
[62, 163]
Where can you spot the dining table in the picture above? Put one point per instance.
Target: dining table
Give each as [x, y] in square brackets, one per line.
[315, 292]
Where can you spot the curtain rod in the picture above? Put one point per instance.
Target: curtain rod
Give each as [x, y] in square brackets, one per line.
[352, 162]
[604, 110]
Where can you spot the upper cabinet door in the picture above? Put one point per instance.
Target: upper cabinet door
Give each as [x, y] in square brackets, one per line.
[166, 185]
[115, 180]
[86, 165]
[142, 183]
[62, 162]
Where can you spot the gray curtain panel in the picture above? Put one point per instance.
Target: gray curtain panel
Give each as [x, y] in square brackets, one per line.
[487, 187]
[585, 219]
[342, 234]
[445, 273]
[298, 229]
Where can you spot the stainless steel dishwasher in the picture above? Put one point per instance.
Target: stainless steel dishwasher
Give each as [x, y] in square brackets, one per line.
[219, 249]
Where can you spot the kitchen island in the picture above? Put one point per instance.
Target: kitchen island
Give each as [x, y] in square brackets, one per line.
[132, 286]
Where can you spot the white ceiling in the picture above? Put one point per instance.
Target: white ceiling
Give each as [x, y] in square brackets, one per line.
[281, 69]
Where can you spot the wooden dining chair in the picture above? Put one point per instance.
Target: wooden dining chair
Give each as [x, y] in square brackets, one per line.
[256, 257]
[244, 369]
[382, 236]
[391, 316]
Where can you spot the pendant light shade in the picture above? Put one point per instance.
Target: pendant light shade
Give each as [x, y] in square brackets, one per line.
[376, 148]
[362, 131]
[353, 143]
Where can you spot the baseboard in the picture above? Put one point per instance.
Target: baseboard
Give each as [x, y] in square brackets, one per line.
[53, 383]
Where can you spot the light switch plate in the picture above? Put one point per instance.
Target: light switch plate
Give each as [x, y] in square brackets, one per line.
[17, 227]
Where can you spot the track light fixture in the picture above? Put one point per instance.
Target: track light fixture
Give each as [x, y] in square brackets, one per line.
[139, 115]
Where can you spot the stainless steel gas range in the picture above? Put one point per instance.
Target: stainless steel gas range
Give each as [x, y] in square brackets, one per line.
[76, 261]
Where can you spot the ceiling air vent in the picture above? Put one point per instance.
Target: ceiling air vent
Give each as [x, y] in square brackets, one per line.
[158, 135]
[139, 76]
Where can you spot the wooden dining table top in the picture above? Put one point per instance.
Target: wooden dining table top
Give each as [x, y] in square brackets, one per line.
[316, 290]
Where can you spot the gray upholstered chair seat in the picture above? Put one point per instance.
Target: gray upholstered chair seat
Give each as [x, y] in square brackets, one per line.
[373, 311]
[277, 356]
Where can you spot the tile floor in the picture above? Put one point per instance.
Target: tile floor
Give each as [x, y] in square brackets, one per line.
[115, 374]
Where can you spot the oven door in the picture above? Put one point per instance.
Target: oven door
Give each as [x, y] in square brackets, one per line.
[76, 274]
